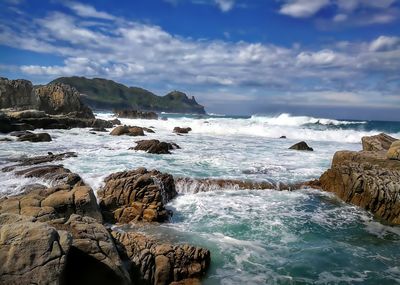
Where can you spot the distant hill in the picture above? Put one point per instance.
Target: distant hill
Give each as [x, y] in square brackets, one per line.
[101, 93]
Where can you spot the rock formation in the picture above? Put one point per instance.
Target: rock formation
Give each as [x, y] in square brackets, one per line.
[377, 143]
[127, 130]
[301, 146]
[367, 179]
[394, 150]
[155, 146]
[135, 114]
[17, 94]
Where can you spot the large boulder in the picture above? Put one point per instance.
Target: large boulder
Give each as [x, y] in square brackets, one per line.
[394, 150]
[59, 98]
[379, 142]
[127, 130]
[17, 94]
[367, 179]
[136, 195]
[135, 114]
[301, 146]
[161, 263]
[31, 252]
[155, 146]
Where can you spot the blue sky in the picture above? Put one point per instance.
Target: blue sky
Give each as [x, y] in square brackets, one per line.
[338, 58]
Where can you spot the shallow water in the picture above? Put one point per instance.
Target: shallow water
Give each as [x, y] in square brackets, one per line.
[256, 237]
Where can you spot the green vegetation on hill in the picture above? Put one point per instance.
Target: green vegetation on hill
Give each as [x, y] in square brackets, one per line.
[107, 94]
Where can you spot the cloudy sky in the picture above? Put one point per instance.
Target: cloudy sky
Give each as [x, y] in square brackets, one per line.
[337, 58]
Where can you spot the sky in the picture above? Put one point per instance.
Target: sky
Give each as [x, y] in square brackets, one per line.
[333, 58]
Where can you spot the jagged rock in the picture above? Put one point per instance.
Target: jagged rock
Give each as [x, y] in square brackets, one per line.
[162, 263]
[59, 98]
[301, 146]
[127, 130]
[179, 130]
[31, 252]
[135, 114]
[377, 143]
[35, 137]
[394, 150]
[16, 94]
[367, 179]
[148, 130]
[136, 195]
[155, 146]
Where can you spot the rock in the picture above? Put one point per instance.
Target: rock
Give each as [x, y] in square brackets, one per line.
[6, 140]
[17, 94]
[27, 114]
[179, 130]
[155, 146]
[134, 114]
[127, 130]
[377, 143]
[164, 119]
[301, 146]
[98, 130]
[367, 179]
[162, 263]
[35, 137]
[148, 130]
[59, 98]
[50, 157]
[394, 150]
[136, 195]
[115, 122]
[282, 137]
[31, 252]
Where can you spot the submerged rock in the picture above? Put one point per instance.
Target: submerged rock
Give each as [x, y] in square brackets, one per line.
[127, 130]
[367, 179]
[301, 146]
[377, 143]
[162, 263]
[179, 130]
[155, 146]
[136, 195]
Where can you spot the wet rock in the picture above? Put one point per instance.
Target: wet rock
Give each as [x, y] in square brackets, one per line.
[6, 140]
[367, 179]
[377, 143]
[394, 151]
[136, 195]
[162, 263]
[31, 252]
[148, 130]
[115, 122]
[127, 130]
[155, 146]
[282, 137]
[301, 146]
[35, 137]
[135, 114]
[98, 130]
[179, 130]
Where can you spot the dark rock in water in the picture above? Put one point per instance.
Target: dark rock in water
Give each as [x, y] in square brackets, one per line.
[155, 146]
[20, 133]
[394, 151]
[115, 122]
[148, 130]
[59, 98]
[136, 195]
[282, 137]
[135, 114]
[98, 130]
[179, 130]
[367, 179]
[301, 146]
[35, 137]
[377, 143]
[6, 140]
[127, 130]
[159, 262]
[24, 161]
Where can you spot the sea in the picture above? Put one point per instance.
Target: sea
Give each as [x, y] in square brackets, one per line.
[255, 236]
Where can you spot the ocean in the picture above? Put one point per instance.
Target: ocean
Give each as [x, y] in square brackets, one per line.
[255, 236]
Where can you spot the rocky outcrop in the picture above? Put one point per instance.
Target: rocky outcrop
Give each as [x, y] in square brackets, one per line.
[136, 195]
[301, 146]
[34, 137]
[17, 94]
[135, 114]
[377, 143]
[127, 130]
[394, 151]
[367, 179]
[155, 146]
[59, 98]
[31, 252]
[179, 130]
[161, 263]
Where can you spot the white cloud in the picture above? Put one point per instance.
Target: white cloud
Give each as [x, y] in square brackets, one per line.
[84, 10]
[225, 5]
[384, 43]
[323, 57]
[303, 8]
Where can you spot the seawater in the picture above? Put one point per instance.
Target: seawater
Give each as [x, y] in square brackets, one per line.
[255, 237]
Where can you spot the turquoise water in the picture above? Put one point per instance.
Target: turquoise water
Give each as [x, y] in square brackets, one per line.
[255, 237]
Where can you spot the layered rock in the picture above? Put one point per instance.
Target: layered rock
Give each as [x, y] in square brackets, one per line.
[17, 94]
[127, 130]
[367, 179]
[155, 146]
[135, 114]
[162, 263]
[301, 146]
[377, 143]
[137, 195]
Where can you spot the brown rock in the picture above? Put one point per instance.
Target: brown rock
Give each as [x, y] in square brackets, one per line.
[127, 130]
[155, 146]
[377, 143]
[394, 151]
[179, 130]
